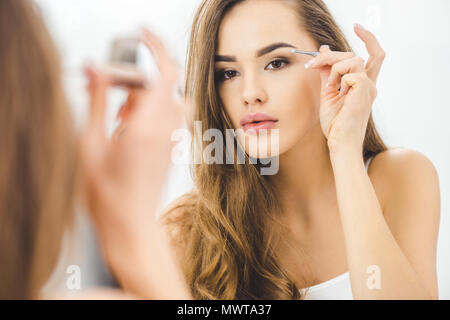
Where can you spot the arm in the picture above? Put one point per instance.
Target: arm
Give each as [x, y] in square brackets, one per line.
[123, 179]
[401, 244]
[403, 241]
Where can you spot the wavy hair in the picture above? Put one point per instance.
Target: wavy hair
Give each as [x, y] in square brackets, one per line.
[228, 228]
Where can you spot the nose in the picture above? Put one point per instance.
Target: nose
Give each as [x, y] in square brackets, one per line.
[253, 92]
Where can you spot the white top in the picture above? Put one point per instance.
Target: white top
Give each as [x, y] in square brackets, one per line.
[338, 288]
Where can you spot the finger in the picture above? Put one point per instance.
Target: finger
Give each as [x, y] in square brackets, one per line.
[352, 65]
[351, 80]
[324, 73]
[123, 117]
[327, 57]
[145, 102]
[152, 107]
[166, 65]
[376, 52]
[128, 107]
[119, 132]
[127, 111]
[97, 88]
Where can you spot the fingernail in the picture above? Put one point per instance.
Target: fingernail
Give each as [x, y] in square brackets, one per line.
[358, 26]
[310, 63]
[324, 46]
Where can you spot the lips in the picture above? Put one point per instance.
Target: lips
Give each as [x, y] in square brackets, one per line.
[252, 123]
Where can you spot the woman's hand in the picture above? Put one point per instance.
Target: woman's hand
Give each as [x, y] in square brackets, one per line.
[123, 179]
[344, 113]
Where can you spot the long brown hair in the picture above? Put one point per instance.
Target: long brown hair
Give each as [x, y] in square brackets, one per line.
[37, 152]
[228, 232]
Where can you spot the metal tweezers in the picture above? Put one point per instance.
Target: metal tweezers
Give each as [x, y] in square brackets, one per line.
[311, 53]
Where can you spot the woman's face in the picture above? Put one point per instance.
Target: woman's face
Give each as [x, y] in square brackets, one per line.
[261, 83]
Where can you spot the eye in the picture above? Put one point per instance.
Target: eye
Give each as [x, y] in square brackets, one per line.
[277, 64]
[226, 74]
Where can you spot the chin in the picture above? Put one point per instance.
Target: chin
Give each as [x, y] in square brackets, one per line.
[261, 146]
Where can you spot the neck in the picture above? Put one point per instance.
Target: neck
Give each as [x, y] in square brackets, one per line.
[306, 177]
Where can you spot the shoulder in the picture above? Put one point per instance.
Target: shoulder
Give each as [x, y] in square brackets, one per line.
[399, 161]
[177, 220]
[402, 174]
[406, 183]
[180, 210]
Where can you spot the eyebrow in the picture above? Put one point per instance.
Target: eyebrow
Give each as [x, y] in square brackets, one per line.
[259, 53]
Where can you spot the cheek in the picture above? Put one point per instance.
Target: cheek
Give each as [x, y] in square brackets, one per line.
[296, 96]
[231, 102]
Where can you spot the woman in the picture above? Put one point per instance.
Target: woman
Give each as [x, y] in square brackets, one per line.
[40, 166]
[322, 222]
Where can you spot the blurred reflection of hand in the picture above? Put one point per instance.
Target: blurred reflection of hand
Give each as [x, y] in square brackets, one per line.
[123, 180]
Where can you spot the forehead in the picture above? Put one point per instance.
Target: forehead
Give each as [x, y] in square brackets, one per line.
[253, 24]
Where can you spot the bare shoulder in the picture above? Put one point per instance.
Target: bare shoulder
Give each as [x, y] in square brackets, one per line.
[179, 210]
[407, 186]
[398, 161]
[177, 220]
[404, 175]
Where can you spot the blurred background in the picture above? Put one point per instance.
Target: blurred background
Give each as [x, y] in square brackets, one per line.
[412, 109]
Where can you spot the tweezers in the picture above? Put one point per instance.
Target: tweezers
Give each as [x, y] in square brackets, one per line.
[311, 53]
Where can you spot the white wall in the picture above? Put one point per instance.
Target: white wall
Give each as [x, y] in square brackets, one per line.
[412, 108]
